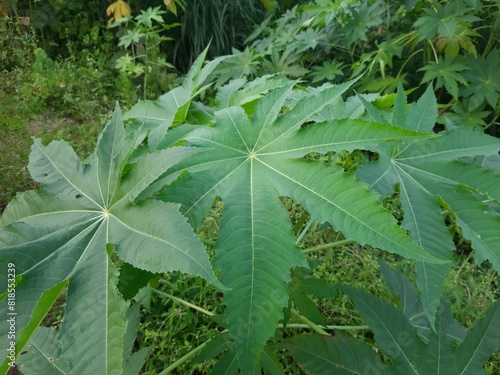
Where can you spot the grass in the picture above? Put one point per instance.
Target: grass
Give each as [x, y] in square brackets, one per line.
[18, 126]
[19, 123]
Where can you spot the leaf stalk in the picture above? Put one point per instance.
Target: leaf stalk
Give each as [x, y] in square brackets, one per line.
[185, 303]
[310, 323]
[184, 359]
[327, 246]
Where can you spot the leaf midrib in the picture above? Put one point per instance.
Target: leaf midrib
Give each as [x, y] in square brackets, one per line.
[477, 347]
[47, 356]
[67, 179]
[252, 286]
[155, 238]
[332, 203]
[375, 314]
[214, 188]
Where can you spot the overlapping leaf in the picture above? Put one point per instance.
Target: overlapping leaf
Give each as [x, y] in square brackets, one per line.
[448, 350]
[155, 118]
[66, 231]
[431, 176]
[250, 162]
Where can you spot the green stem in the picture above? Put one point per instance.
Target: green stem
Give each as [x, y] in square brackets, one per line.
[310, 323]
[184, 359]
[337, 46]
[303, 233]
[411, 36]
[298, 225]
[338, 328]
[455, 278]
[491, 122]
[489, 43]
[406, 61]
[328, 246]
[207, 242]
[433, 50]
[185, 303]
[146, 67]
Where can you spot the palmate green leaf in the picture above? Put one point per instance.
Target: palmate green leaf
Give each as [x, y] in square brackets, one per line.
[444, 20]
[398, 339]
[43, 354]
[251, 162]
[307, 39]
[362, 17]
[429, 173]
[462, 117]
[154, 118]
[83, 212]
[413, 308]
[447, 73]
[328, 71]
[483, 80]
[147, 16]
[339, 355]
[447, 350]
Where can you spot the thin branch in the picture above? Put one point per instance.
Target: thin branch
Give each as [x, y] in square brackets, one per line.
[329, 327]
[328, 246]
[310, 323]
[305, 230]
[185, 303]
[184, 359]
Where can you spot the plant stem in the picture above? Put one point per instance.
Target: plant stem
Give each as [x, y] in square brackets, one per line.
[327, 246]
[185, 303]
[338, 328]
[207, 242]
[310, 323]
[298, 225]
[490, 43]
[304, 231]
[184, 359]
[146, 67]
[491, 122]
[455, 278]
[433, 50]
[408, 59]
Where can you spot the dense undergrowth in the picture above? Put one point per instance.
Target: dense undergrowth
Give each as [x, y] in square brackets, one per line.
[71, 95]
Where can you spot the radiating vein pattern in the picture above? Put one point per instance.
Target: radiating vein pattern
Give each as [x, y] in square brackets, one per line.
[432, 176]
[250, 161]
[63, 233]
